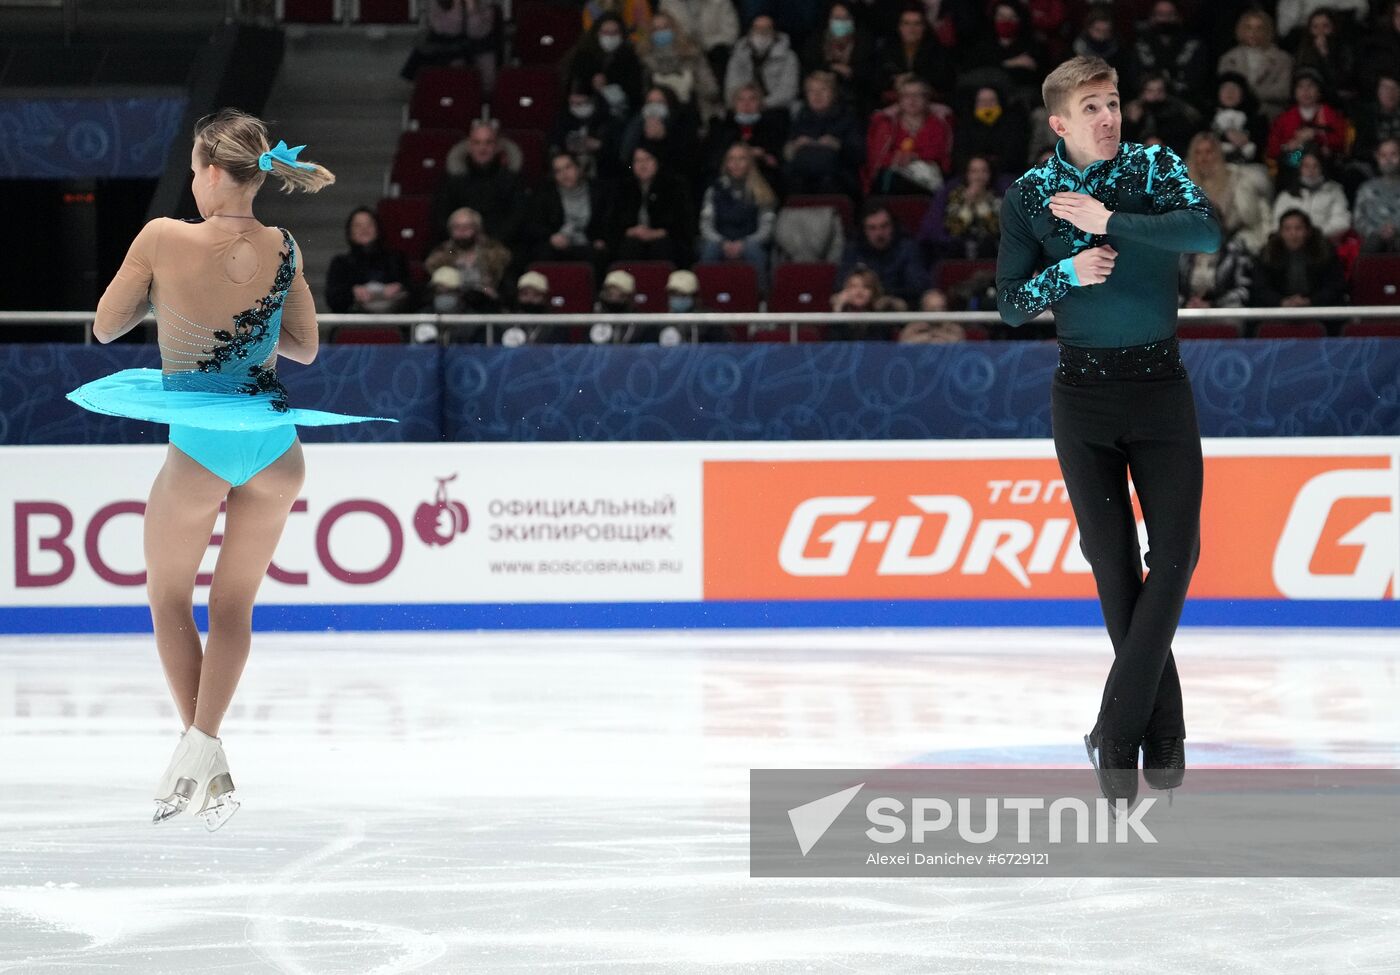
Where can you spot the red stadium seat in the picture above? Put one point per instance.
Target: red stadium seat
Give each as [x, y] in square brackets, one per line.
[1375, 280]
[802, 286]
[570, 285]
[526, 98]
[532, 148]
[1208, 330]
[651, 282]
[953, 273]
[445, 98]
[309, 11]
[975, 333]
[1291, 330]
[384, 11]
[1377, 328]
[908, 211]
[404, 224]
[731, 286]
[841, 204]
[544, 32]
[421, 161]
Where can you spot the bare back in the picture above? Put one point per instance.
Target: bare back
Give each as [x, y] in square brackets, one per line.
[199, 278]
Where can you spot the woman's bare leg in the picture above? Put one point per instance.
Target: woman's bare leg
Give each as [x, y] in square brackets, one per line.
[253, 523]
[180, 514]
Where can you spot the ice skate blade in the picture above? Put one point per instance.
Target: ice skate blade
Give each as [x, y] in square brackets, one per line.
[175, 803]
[219, 803]
[220, 812]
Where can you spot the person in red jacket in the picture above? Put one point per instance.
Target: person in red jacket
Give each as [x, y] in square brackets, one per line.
[1307, 120]
[909, 146]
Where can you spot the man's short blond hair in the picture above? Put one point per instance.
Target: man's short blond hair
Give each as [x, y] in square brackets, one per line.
[1074, 73]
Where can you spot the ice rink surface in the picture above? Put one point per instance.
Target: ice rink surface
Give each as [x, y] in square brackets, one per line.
[578, 803]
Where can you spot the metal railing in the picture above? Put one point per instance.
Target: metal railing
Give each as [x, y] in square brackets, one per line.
[446, 325]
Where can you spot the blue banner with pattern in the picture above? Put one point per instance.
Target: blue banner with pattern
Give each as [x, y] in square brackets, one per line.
[820, 391]
[88, 138]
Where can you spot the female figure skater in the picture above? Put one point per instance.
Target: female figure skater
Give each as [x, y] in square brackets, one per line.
[1121, 401]
[229, 296]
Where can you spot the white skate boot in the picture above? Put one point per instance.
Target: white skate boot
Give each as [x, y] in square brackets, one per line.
[220, 802]
[198, 768]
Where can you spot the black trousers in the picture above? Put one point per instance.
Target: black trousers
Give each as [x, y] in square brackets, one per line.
[1106, 429]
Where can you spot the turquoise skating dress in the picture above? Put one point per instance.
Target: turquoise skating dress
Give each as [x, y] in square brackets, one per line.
[219, 391]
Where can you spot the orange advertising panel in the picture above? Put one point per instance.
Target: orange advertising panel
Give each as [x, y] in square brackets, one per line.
[1308, 527]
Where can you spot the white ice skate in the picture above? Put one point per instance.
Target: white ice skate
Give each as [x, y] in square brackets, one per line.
[198, 768]
[220, 802]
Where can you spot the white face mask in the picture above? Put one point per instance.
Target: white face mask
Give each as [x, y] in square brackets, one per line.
[610, 42]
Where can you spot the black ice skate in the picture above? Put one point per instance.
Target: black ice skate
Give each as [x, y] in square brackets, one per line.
[1164, 763]
[1115, 766]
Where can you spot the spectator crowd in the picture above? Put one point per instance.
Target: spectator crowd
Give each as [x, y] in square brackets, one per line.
[877, 137]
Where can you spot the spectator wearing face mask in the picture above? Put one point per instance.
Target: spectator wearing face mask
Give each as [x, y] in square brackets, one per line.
[1165, 48]
[531, 298]
[683, 297]
[1313, 193]
[668, 129]
[604, 62]
[1157, 114]
[634, 15]
[1378, 203]
[1011, 51]
[479, 261]
[588, 131]
[713, 24]
[673, 60]
[1098, 39]
[847, 51]
[992, 130]
[764, 58]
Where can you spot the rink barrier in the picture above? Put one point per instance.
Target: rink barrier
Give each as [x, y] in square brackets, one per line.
[740, 392]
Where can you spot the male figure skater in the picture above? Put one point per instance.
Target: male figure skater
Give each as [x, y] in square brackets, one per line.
[1094, 233]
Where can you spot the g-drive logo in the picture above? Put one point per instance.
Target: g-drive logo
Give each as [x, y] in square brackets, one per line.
[918, 821]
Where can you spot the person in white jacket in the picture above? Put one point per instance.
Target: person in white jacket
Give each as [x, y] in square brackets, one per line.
[1320, 198]
[1294, 14]
[764, 57]
[713, 24]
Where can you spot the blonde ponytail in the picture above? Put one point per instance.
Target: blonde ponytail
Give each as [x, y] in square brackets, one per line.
[236, 141]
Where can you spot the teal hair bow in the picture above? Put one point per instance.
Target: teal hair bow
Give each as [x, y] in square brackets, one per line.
[283, 154]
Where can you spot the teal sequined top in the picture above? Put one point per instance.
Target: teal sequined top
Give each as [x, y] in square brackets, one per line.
[1158, 213]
